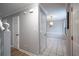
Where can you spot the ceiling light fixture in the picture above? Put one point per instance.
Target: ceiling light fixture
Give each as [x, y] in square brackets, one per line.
[50, 21]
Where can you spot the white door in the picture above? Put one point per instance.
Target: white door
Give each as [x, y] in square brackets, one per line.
[75, 27]
[43, 40]
[15, 31]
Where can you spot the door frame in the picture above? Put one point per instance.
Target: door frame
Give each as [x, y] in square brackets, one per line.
[40, 7]
[13, 31]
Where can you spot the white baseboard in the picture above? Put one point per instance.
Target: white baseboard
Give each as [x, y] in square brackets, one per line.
[26, 52]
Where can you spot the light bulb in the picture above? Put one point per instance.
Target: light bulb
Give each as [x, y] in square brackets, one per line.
[51, 23]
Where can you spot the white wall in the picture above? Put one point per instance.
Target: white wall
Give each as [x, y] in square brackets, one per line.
[29, 39]
[58, 28]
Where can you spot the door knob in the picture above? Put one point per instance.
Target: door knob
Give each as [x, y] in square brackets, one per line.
[17, 34]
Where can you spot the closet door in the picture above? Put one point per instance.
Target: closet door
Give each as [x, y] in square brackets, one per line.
[75, 28]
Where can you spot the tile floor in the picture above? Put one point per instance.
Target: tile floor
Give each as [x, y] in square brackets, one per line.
[55, 47]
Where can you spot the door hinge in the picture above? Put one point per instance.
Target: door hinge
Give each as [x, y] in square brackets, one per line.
[71, 37]
[71, 9]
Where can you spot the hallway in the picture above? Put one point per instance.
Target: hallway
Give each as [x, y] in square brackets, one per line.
[53, 28]
[55, 47]
[44, 29]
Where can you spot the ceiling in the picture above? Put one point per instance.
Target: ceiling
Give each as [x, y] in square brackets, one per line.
[57, 10]
[8, 8]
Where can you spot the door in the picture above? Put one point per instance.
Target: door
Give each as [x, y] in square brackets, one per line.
[75, 27]
[43, 40]
[15, 31]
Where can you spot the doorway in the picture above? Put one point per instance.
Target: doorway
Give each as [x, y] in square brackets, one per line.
[15, 31]
[55, 29]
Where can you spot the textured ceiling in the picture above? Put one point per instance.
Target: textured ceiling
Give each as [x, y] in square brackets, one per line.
[6, 8]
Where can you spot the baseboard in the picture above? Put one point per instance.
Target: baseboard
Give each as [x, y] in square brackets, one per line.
[26, 52]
